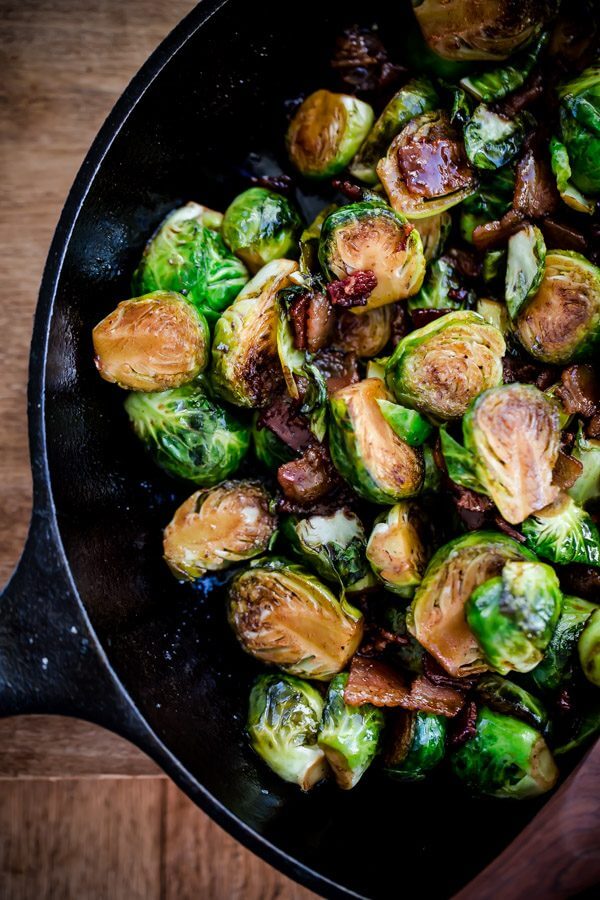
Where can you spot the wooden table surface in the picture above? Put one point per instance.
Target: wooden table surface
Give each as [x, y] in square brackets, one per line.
[83, 814]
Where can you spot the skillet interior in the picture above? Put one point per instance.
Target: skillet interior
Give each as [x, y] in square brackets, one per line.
[219, 99]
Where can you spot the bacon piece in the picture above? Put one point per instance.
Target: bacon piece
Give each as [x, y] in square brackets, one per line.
[531, 91]
[350, 190]
[535, 192]
[466, 263]
[373, 681]
[339, 369]
[434, 673]
[434, 698]
[525, 371]
[401, 323]
[378, 639]
[464, 725]
[354, 290]
[473, 508]
[560, 236]
[282, 184]
[579, 391]
[593, 427]
[309, 478]
[493, 234]
[566, 471]
[422, 317]
[581, 581]
[283, 419]
[362, 61]
[508, 529]
[312, 320]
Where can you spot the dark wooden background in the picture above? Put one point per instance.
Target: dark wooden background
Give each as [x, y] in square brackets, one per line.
[82, 813]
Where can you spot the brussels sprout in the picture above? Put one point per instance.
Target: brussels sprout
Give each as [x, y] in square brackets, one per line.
[556, 668]
[348, 735]
[426, 170]
[366, 451]
[188, 433]
[561, 168]
[260, 226]
[588, 727]
[376, 367]
[587, 486]
[367, 334]
[589, 648]
[437, 618]
[512, 433]
[245, 368]
[492, 200]
[524, 267]
[416, 746]
[151, 343]
[408, 424]
[187, 255]
[492, 140]
[494, 312]
[433, 476]
[417, 96]
[460, 463]
[269, 449]
[463, 30]
[513, 615]
[441, 288]
[434, 231]
[563, 533]
[494, 84]
[215, 528]
[334, 545]
[283, 721]
[295, 363]
[561, 324]
[326, 131]
[370, 236]
[580, 128]
[283, 615]
[396, 548]
[505, 758]
[440, 368]
[505, 696]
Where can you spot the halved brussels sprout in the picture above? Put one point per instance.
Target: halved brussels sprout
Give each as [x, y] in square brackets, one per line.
[186, 254]
[283, 615]
[245, 368]
[296, 365]
[270, 450]
[437, 616]
[151, 343]
[426, 170]
[506, 697]
[589, 648]
[580, 128]
[283, 721]
[563, 533]
[505, 758]
[369, 236]
[366, 451]
[525, 266]
[334, 545]
[326, 131]
[417, 744]
[512, 433]
[260, 226]
[561, 323]
[587, 486]
[494, 84]
[348, 735]
[440, 368]
[556, 668]
[417, 96]
[514, 615]
[492, 200]
[188, 433]
[216, 528]
[408, 424]
[396, 548]
[367, 334]
[561, 167]
[441, 288]
[492, 140]
[464, 30]
[434, 231]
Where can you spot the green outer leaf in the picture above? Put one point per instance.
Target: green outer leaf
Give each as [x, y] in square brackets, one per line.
[494, 84]
[460, 463]
[563, 533]
[408, 424]
[561, 167]
[260, 226]
[493, 140]
[426, 750]
[580, 128]
[587, 486]
[525, 267]
[493, 198]
[506, 697]
[556, 668]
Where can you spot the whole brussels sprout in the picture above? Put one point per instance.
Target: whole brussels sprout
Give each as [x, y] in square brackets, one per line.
[348, 735]
[260, 226]
[245, 369]
[426, 170]
[218, 527]
[367, 334]
[525, 266]
[563, 533]
[556, 668]
[440, 288]
[492, 85]
[369, 236]
[437, 614]
[283, 721]
[434, 231]
[506, 697]
[366, 451]
[514, 615]
[334, 545]
[580, 128]
[187, 255]
[188, 433]
[492, 139]
[326, 131]
[505, 758]
[396, 548]
[440, 368]
[587, 486]
[417, 96]
[283, 615]
[417, 744]
[561, 323]
[589, 648]
[151, 343]
[269, 449]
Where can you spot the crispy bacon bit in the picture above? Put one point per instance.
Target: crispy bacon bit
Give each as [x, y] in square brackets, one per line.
[593, 427]
[297, 313]
[435, 166]
[473, 509]
[494, 234]
[434, 698]
[354, 290]
[566, 471]
[531, 91]
[309, 478]
[579, 391]
[377, 640]
[339, 369]
[401, 323]
[581, 581]
[350, 190]
[283, 419]
[312, 320]
[422, 317]
[464, 725]
[508, 529]
[535, 192]
[434, 672]
[560, 236]
[362, 61]
[525, 371]
[282, 184]
[466, 263]
[376, 682]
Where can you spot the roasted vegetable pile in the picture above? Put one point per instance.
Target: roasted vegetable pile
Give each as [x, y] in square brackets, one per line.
[389, 415]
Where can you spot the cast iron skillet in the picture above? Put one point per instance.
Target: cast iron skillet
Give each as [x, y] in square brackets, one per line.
[92, 624]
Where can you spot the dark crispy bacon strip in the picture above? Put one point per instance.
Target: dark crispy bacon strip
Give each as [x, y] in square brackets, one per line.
[535, 192]
[352, 191]
[494, 234]
[312, 320]
[421, 317]
[560, 236]
[282, 184]
[354, 290]
[523, 97]
[373, 681]
[566, 471]
[309, 478]
[579, 391]
[464, 725]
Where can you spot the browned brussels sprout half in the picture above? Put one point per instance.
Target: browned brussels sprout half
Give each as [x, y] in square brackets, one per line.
[151, 343]
[396, 548]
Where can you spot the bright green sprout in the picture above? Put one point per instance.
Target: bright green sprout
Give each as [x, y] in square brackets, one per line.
[525, 267]
[417, 744]
[563, 533]
[492, 140]
[556, 668]
[260, 226]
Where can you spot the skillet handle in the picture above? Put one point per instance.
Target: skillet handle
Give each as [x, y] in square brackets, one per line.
[558, 855]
